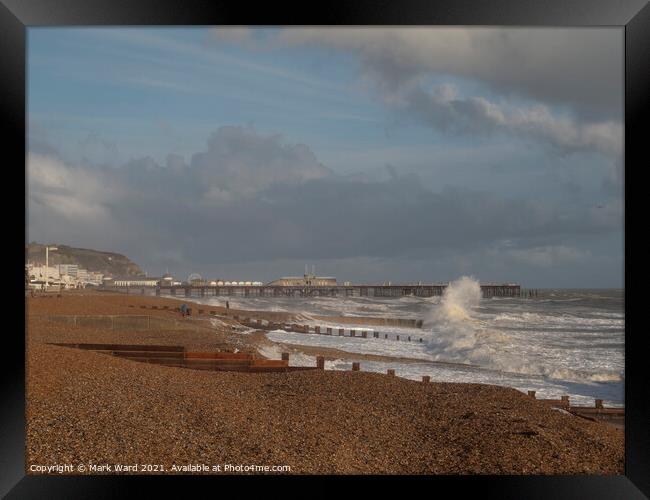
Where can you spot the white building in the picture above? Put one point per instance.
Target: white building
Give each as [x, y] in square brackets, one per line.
[96, 278]
[68, 269]
[42, 273]
[64, 275]
[136, 281]
[39, 276]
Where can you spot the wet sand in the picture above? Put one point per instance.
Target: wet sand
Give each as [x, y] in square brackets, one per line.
[88, 407]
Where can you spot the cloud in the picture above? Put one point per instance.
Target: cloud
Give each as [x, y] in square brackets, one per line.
[98, 150]
[240, 160]
[163, 205]
[549, 256]
[73, 203]
[577, 67]
[232, 34]
[251, 197]
[39, 141]
[441, 108]
[73, 192]
[577, 70]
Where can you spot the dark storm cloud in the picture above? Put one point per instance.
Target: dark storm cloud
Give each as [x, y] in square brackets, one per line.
[335, 218]
[563, 86]
[250, 197]
[581, 68]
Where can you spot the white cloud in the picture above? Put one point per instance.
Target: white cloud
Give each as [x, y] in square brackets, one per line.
[239, 160]
[73, 192]
[441, 108]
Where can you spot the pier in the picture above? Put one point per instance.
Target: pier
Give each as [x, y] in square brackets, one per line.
[390, 291]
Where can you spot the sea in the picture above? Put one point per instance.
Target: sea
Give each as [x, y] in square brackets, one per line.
[560, 342]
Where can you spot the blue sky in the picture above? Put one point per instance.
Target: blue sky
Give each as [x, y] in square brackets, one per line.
[158, 91]
[220, 118]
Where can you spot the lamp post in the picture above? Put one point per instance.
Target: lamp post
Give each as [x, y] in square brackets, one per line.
[47, 264]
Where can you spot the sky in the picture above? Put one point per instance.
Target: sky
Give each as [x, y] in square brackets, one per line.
[377, 154]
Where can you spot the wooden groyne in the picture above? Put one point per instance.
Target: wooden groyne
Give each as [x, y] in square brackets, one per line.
[611, 415]
[118, 321]
[147, 322]
[354, 320]
[356, 332]
[177, 356]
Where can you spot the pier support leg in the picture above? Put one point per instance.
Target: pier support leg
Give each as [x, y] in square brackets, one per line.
[391, 372]
[355, 367]
[320, 362]
[426, 379]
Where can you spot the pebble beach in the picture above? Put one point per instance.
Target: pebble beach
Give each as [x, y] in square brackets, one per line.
[88, 407]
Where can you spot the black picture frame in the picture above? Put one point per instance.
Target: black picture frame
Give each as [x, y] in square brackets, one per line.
[633, 15]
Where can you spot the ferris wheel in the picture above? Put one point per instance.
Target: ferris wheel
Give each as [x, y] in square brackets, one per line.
[194, 277]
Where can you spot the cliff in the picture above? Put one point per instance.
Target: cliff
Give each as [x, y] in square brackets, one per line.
[108, 263]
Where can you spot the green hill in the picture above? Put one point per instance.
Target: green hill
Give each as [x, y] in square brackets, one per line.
[108, 263]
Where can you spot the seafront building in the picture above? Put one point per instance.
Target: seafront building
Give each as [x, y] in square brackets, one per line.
[308, 279]
[62, 276]
[69, 269]
[132, 281]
